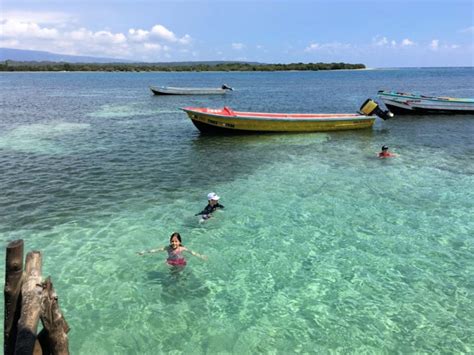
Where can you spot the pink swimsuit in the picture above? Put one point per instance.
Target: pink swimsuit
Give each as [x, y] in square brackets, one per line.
[175, 258]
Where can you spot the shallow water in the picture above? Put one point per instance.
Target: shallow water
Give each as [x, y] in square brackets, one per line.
[321, 247]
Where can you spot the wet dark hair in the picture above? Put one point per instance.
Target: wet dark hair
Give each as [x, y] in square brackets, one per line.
[177, 235]
[384, 147]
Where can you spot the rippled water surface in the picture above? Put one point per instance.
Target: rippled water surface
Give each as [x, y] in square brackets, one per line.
[321, 247]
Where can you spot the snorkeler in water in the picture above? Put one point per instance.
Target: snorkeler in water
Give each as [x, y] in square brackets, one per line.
[212, 205]
[384, 153]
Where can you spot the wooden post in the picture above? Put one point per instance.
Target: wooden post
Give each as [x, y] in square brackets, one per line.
[54, 324]
[28, 299]
[13, 276]
[31, 291]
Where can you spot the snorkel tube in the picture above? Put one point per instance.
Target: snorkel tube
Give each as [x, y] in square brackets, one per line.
[370, 107]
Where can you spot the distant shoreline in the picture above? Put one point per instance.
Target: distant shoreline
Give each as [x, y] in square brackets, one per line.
[14, 66]
[62, 67]
[223, 71]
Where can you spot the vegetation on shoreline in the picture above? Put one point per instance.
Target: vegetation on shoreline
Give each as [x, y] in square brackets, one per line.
[11, 66]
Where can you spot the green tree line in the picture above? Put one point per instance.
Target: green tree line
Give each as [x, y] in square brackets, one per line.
[11, 66]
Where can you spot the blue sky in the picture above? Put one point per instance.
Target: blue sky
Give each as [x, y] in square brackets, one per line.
[403, 33]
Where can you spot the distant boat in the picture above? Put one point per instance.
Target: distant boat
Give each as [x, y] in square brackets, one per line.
[170, 90]
[412, 104]
[226, 120]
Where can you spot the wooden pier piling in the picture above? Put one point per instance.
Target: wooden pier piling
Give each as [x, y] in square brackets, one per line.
[29, 299]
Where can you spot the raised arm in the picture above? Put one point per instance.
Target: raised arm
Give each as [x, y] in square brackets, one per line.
[151, 251]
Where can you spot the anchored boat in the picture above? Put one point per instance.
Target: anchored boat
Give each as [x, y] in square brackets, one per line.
[226, 120]
[170, 90]
[411, 104]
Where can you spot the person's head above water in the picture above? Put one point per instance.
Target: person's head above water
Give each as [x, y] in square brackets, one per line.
[175, 239]
[212, 196]
[385, 153]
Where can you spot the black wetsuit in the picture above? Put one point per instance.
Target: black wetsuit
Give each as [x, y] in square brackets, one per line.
[209, 209]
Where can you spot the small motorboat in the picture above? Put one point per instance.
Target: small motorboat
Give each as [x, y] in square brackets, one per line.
[170, 90]
[401, 103]
[226, 120]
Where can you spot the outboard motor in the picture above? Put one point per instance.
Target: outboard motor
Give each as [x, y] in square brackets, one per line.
[225, 87]
[370, 107]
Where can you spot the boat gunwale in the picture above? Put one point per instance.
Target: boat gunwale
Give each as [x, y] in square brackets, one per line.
[174, 90]
[184, 88]
[283, 117]
[409, 96]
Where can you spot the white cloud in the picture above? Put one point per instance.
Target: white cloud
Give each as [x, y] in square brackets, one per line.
[158, 33]
[407, 42]
[380, 41]
[434, 45]
[185, 40]
[312, 47]
[61, 37]
[79, 35]
[152, 46]
[15, 29]
[138, 35]
[468, 30]
[163, 33]
[107, 37]
[10, 43]
[238, 46]
[327, 47]
[44, 18]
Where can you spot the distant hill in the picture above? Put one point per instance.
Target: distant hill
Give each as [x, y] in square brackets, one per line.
[23, 55]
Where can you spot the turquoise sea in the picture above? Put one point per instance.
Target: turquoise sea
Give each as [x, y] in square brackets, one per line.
[321, 248]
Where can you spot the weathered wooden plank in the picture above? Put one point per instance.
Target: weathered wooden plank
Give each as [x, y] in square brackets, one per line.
[12, 294]
[31, 292]
[54, 324]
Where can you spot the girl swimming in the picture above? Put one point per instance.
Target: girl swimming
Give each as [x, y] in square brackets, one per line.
[175, 251]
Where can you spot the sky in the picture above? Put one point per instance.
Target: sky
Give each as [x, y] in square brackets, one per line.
[379, 34]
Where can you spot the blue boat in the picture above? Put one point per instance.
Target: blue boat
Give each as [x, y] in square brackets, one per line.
[412, 104]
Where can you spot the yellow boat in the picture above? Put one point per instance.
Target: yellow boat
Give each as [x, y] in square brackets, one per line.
[226, 120]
